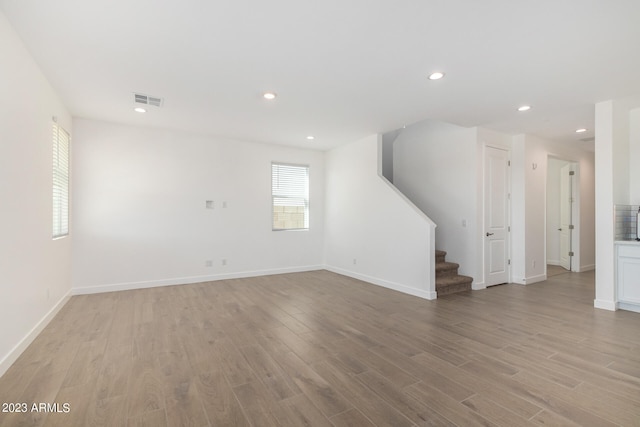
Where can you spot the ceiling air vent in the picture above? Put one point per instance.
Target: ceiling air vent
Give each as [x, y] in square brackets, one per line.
[154, 101]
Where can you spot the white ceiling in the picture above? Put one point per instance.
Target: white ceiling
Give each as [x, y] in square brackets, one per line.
[342, 69]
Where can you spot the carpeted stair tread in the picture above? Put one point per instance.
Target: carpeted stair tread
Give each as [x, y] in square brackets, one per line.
[446, 268]
[440, 256]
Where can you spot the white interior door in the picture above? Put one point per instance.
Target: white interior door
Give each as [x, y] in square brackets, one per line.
[496, 216]
[566, 223]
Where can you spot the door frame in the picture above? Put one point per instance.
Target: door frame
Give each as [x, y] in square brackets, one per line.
[567, 200]
[575, 210]
[482, 216]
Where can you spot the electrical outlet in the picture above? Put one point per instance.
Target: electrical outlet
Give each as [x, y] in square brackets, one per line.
[355, 261]
[208, 263]
[224, 261]
[48, 293]
[209, 204]
[533, 263]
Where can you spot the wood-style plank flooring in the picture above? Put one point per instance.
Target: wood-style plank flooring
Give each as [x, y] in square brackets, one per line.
[320, 349]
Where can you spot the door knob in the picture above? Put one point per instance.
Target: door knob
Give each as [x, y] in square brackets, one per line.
[489, 234]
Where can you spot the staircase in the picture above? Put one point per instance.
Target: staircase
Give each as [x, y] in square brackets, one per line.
[448, 281]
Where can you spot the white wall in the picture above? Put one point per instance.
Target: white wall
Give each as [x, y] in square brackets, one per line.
[435, 167]
[372, 232]
[140, 217]
[634, 156]
[519, 210]
[388, 141]
[605, 135]
[617, 149]
[35, 270]
[529, 174]
[535, 173]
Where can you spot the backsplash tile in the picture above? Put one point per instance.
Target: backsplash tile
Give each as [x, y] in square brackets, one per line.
[625, 220]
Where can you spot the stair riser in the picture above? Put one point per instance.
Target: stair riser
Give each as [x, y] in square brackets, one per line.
[447, 272]
[452, 289]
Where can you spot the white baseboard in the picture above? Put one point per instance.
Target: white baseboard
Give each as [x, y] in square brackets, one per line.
[16, 351]
[584, 268]
[518, 280]
[536, 279]
[629, 306]
[528, 280]
[85, 290]
[430, 295]
[580, 269]
[478, 286]
[605, 305]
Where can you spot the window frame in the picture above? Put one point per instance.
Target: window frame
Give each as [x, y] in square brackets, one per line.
[305, 197]
[61, 159]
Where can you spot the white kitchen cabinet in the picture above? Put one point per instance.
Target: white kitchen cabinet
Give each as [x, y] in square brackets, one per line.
[628, 275]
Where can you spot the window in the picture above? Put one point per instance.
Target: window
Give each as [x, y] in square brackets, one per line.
[290, 193]
[61, 142]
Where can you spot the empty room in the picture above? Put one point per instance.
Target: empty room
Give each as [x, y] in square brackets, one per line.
[413, 213]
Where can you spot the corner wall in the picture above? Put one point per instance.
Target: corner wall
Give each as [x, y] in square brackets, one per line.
[434, 165]
[35, 280]
[617, 149]
[529, 176]
[141, 219]
[372, 232]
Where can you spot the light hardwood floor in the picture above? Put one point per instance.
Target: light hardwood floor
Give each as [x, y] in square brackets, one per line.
[319, 349]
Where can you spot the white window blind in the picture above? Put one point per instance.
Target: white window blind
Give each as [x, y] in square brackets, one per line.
[290, 193]
[61, 143]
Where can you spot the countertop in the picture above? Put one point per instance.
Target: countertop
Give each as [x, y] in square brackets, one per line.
[627, 242]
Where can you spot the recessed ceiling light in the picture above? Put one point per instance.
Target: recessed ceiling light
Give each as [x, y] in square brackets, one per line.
[269, 95]
[139, 110]
[436, 76]
[581, 130]
[311, 137]
[524, 108]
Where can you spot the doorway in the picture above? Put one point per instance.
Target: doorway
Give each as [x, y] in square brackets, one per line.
[562, 213]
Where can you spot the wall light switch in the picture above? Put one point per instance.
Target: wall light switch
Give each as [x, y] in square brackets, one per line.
[209, 204]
